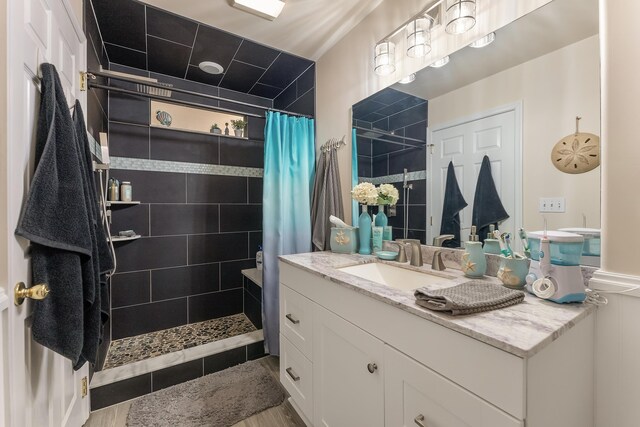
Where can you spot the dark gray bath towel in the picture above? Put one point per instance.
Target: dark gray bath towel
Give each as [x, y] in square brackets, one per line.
[487, 207]
[326, 199]
[56, 220]
[97, 312]
[468, 298]
[453, 203]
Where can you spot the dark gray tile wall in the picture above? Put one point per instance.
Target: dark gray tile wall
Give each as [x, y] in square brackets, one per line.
[198, 231]
[131, 388]
[300, 96]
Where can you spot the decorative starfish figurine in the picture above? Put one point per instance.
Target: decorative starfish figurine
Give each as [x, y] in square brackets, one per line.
[341, 238]
[468, 265]
[504, 274]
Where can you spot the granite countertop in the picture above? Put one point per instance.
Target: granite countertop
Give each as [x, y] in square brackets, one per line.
[523, 329]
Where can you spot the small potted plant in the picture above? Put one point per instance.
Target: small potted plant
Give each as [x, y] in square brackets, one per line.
[215, 129]
[238, 127]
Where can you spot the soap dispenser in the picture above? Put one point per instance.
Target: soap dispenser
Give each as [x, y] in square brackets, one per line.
[474, 263]
[491, 244]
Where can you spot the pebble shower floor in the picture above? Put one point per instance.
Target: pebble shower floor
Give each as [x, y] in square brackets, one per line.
[141, 347]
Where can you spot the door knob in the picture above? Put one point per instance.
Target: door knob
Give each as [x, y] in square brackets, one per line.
[21, 292]
[372, 367]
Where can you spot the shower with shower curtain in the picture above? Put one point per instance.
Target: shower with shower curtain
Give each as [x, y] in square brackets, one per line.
[186, 298]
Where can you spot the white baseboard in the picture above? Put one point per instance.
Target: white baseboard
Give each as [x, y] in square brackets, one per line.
[616, 283]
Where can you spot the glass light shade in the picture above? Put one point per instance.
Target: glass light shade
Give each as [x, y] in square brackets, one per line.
[418, 37]
[460, 16]
[385, 58]
[484, 41]
[440, 62]
[410, 78]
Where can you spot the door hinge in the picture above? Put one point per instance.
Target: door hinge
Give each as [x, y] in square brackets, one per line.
[85, 387]
[430, 221]
[83, 81]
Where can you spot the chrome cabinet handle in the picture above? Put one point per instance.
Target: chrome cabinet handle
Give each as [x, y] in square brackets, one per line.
[292, 319]
[372, 367]
[419, 420]
[292, 374]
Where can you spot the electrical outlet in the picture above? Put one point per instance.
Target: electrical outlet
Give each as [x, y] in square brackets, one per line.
[552, 204]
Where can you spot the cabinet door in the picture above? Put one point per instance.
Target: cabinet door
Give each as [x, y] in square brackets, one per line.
[348, 375]
[416, 396]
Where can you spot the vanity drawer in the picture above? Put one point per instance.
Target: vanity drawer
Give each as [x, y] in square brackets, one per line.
[296, 319]
[416, 396]
[296, 374]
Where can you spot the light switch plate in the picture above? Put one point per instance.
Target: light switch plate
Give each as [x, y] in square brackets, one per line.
[552, 204]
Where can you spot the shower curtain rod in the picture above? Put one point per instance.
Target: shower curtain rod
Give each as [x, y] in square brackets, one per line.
[93, 74]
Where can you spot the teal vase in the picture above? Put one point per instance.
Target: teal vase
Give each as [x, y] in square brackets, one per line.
[381, 218]
[474, 263]
[364, 232]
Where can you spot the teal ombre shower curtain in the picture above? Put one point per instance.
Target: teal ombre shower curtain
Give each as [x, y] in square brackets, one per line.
[289, 162]
[355, 211]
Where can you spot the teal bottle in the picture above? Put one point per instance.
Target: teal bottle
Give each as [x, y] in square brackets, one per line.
[364, 232]
[381, 218]
[474, 263]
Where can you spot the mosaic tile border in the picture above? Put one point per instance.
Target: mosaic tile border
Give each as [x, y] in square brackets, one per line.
[129, 163]
[94, 147]
[411, 176]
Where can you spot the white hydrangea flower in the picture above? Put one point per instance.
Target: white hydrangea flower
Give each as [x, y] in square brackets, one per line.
[388, 194]
[365, 193]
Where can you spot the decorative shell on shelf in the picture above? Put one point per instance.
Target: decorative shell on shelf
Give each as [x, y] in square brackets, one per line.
[164, 118]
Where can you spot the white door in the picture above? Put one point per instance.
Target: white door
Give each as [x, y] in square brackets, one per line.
[348, 376]
[40, 387]
[465, 143]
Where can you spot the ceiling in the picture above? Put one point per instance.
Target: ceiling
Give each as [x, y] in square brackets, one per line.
[143, 37]
[549, 28]
[307, 28]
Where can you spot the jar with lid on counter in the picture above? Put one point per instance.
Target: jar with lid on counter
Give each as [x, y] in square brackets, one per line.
[126, 191]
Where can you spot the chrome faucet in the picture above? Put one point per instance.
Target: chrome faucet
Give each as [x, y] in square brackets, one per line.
[439, 240]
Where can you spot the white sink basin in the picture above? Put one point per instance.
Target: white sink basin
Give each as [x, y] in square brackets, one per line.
[394, 277]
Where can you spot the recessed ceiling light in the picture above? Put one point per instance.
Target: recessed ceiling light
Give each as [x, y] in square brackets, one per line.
[267, 9]
[411, 77]
[484, 41]
[211, 67]
[441, 62]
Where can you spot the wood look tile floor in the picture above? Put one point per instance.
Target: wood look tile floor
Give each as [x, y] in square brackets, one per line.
[279, 416]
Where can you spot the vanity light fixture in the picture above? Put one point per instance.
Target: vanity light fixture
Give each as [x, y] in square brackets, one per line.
[460, 16]
[440, 62]
[267, 9]
[410, 78]
[419, 37]
[385, 58]
[484, 41]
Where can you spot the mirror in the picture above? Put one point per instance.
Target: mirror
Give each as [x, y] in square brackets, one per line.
[511, 101]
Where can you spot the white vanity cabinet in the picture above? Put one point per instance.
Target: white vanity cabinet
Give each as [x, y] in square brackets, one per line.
[348, 373]
[351, 360]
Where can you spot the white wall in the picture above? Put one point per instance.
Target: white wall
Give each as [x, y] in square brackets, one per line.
[344, 75]
[554, 88]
